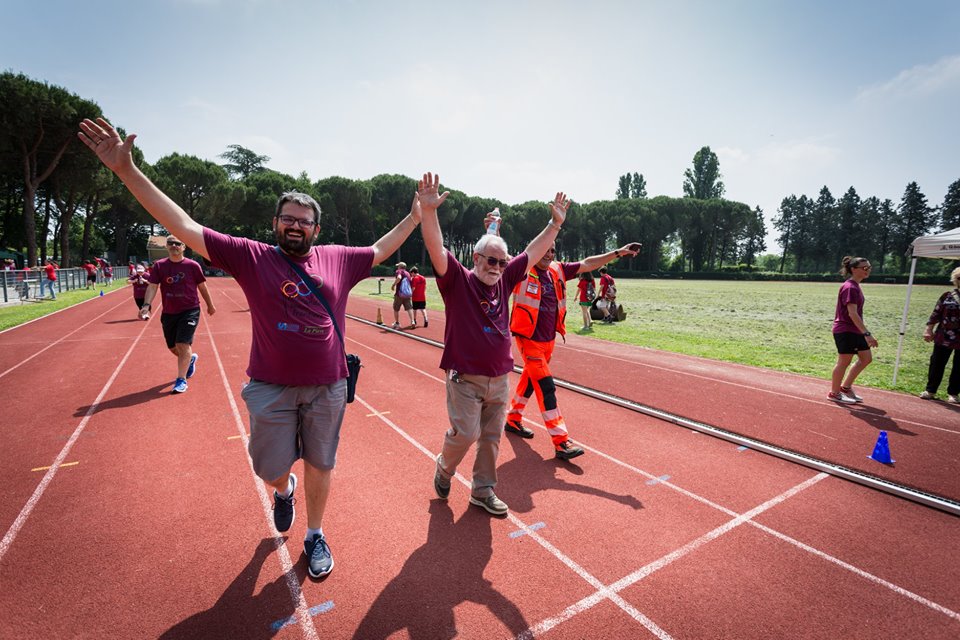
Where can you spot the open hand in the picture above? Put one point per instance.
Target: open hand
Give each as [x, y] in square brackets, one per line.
[558, 208]
[428, 190]
[104, 141]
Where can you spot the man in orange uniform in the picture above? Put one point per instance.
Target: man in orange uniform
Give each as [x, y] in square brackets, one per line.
[539, 313]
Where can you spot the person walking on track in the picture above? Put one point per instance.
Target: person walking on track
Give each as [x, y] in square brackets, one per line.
[476, 352]
[180, 280]
[943, 330]
[419, 285]
[539, 314]
[297, 392]
[850, 333]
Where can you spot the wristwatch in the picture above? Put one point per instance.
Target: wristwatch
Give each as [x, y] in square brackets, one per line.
[867, 334]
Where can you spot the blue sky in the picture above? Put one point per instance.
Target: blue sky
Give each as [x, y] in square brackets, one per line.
[517, 100]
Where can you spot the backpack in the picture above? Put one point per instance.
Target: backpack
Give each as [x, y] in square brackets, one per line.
[406, 291]
[591, 292]
[611, 291]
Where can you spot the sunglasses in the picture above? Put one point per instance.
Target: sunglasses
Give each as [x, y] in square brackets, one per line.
[291, 220]
[174, 244]
[493, 262]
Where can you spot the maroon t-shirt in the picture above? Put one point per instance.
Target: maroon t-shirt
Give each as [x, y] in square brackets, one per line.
[140, 284]
[178, 284]
[294, 342]
[850, 293]
[476, 338]
[546, 330]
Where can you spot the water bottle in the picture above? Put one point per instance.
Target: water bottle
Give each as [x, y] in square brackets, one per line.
[495, 225]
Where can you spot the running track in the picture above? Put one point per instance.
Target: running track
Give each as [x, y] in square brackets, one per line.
[149, 522]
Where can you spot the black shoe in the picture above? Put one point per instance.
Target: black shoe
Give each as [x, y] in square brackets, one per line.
[567, 450]
[513, 426]
[283, 511]
[318, 556]
[426, 323]
[443, 491]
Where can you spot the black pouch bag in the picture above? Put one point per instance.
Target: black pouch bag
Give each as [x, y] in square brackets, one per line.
[353, 372]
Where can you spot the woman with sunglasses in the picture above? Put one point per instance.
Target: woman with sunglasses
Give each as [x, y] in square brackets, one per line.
[849, 332]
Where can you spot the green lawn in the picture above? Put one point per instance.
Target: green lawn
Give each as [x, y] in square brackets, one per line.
[777, 325]
[17, 313]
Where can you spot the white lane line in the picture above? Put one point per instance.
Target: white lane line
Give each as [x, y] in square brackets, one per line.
[707, 502]
[532, 532]
[21, 519]
[860, 572]
[62, 338]
[542, 627]
[53, 313]
[283, 555]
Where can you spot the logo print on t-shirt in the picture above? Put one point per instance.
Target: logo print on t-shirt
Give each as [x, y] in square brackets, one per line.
[299, 288]
[177, 277]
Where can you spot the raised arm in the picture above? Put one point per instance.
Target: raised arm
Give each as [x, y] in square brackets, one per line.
[428, 200]
[117, 155]
[558, 214]
[595, 262]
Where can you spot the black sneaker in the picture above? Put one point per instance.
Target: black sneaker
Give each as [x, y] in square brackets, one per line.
[443, 491]
[426, 323]
[283, 511]
[514, 426]
[567, 450]
[318, 556]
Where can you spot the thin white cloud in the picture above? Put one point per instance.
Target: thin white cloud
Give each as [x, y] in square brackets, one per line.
[918, 81]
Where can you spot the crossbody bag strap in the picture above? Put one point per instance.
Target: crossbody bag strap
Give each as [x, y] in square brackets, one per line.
[307, 280]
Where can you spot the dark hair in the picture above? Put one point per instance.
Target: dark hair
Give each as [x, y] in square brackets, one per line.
[414, 270]
[301, 199]
[603, 269]
[848, 264]
[587, 275]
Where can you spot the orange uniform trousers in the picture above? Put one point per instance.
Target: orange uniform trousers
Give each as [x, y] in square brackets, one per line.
[537, 379]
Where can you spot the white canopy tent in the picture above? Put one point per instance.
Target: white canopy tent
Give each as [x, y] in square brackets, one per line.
[945, 245]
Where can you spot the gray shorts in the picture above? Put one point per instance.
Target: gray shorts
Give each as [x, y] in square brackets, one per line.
[287, 423]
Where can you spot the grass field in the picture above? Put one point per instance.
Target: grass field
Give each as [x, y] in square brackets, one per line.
[777, 325]
[16, 313]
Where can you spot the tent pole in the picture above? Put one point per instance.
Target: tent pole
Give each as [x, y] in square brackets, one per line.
[903, 320]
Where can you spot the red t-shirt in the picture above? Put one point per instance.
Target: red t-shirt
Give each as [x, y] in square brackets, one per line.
[605, 281]
[51, 272]
[419, 284]
[90, 269]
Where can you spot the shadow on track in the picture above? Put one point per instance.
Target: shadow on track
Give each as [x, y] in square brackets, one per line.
[879, 420]
[239, 613]
[129, 400]
[445, 571]
[528, 473]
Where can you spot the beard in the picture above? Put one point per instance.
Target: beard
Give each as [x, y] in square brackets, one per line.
[297, 245]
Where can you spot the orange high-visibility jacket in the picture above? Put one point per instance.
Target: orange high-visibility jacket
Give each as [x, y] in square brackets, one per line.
[526, 302]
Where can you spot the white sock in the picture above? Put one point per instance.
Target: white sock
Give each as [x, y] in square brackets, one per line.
[289, 490]
[313, 532]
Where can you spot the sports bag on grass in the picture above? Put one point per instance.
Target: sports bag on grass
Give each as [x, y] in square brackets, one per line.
[353, 360]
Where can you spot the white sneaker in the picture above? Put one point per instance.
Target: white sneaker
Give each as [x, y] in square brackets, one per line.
[841, 398]
[850, 393]
[953, 399]
[926, 395]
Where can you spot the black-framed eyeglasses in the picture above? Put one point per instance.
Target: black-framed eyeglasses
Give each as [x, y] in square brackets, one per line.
[493, 262]
[300, 222]
[174, 244]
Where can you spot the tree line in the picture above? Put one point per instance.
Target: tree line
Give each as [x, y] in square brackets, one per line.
[59, 202]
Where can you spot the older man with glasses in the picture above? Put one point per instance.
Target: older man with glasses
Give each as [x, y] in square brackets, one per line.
[297, 394]
[476, 352]
[179, 279]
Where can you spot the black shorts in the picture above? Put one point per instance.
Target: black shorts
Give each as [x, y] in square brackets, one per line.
[849, 342]
[178, 328]
[139, 302]
[92, 277]
[419, 304]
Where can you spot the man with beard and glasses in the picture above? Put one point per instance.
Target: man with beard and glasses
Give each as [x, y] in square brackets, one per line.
[476, 352]
[298, 391]
[179, 279]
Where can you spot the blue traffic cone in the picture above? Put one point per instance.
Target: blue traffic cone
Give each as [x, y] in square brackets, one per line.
[101, 293]
[881, 452]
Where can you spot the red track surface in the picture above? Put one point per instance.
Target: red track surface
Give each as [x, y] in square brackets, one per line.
[161, 530]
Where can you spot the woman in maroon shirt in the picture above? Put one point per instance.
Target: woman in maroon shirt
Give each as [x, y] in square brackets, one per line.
[946, 341]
